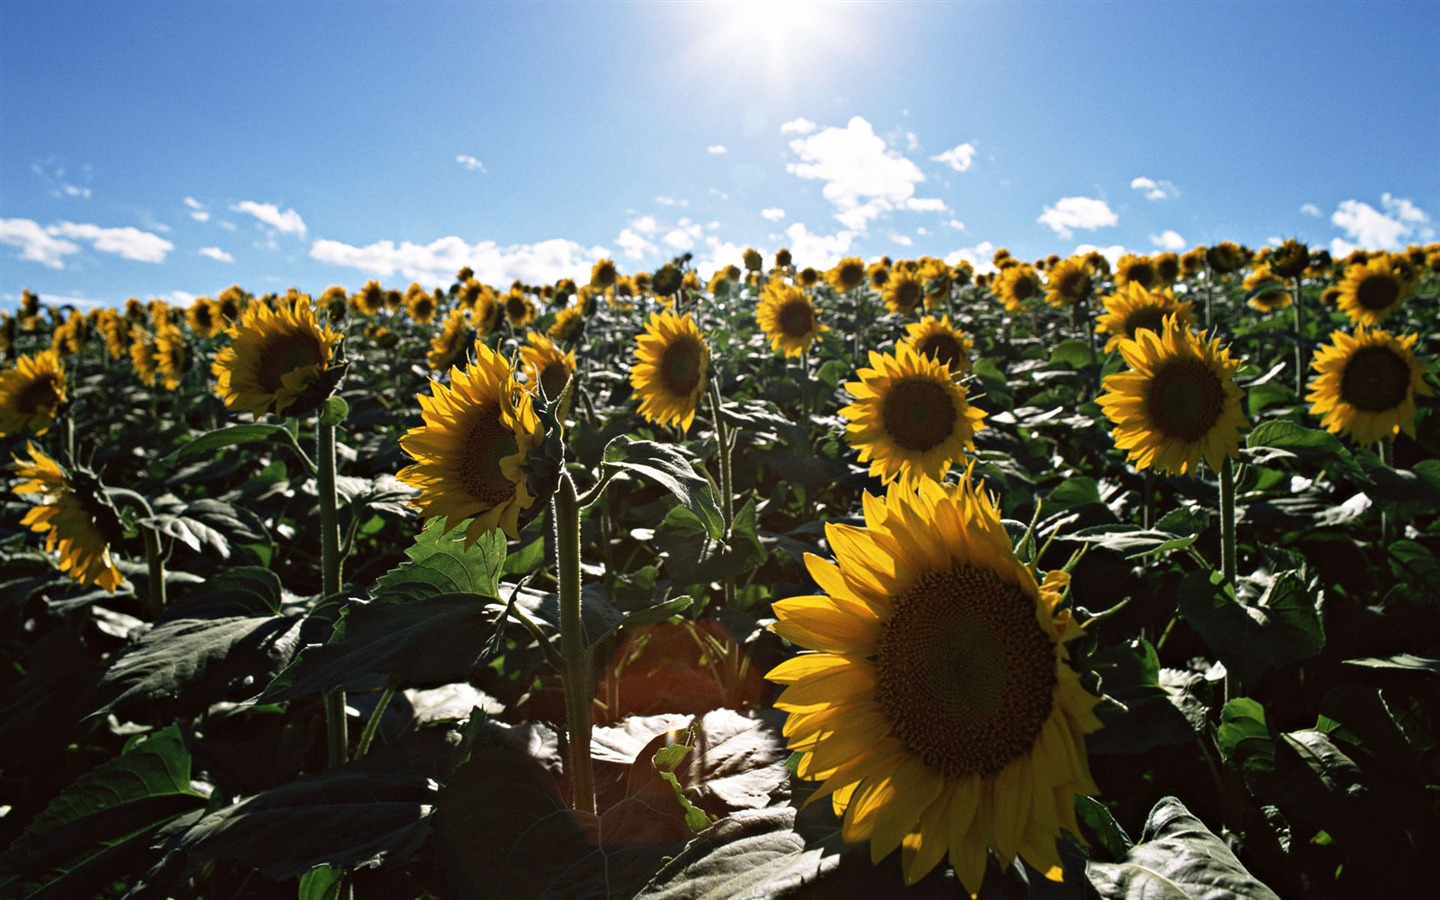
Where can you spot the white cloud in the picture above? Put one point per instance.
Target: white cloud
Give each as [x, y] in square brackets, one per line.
[228, 226]
[818, 250]
[1070, 213]
[438, 261]
[958, 157]
[633, 244]
[798, 126]
[200, 215]
[903, 240]
[1310, 209]
[981, 257]
[863, 178]
[1154, 190]
[955, 224]
[1371, 229]
[35, 243]
[75, 191]
[128, 242]
[1169, 240]
[671, 201]
[715, 149]
[66, 300]
[288, 221]
[772, 213]
[683, 236]
[216, 253]
[926, 204]
[470, 163]
[193, 203]
[645, 225]
[1112, 252]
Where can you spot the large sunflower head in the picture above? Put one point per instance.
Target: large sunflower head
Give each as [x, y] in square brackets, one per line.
[671, 363]
[937, 703]
[1178, 403]
[848, 274]
[910, 419]
[274, 357]
[939, 340]
[471, 452]
[1367, 385]
[447, 347]
[1133, 309]
[32, 393]
[71, 510]
[1371, 291]
[547, 368]
[1268, 292]
[788, 318]
[172, 356]
[904, 291]
[1068, 283]
[1134, 269]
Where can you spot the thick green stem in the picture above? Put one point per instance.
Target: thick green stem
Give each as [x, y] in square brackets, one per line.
[565, 511]
[1299, 340]
[336, 726]
[154, 554]
[724, 445]
[373, 724]
[1387, 459]
[1227, 522]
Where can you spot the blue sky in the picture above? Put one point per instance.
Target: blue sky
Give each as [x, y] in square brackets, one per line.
[170, 150]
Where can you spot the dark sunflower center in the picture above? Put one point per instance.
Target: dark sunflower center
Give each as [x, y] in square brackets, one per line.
[851, 274]
[1185, 399]
[941, 347]
[966, 674]
[1376, 292]
[1150, 317]
[284, 354]
[1071, 285]
[907, 293]
[680, 368]
[1142, 274]
[553, 378]
[515, 307]
[918, 414]
[1168, 269]
[1022, 289]
[423, 307]
[1375, 380]
[39, 396]
[796, 319]
[487, 442]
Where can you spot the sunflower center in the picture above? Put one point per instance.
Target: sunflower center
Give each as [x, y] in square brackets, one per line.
[851, 274]
[1141, 274]
[515, 306]
[1375, 380]
[941, 347]
[680, 367]
[918, 414]
[796, 319]
[1022, 289]
[39, 396]
[487, 442]
[1185, 399]
[284, 354]
[907, 293]
[1151, 317]
[966, 673]
[1376, 292]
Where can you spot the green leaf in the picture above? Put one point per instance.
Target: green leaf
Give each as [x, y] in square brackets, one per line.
[753, 853]
[1144, 714]
[1281, 439]
[832, 372]
[343, 818]
[1101, 828]
[322, 883]
[1131, 540]
[212, 523]
[1076, 491]
[1251, 637]
[1245, 740]
[440, 563]
[666, 466]
[1074, 353]
[694, 556]
[231, 435]
[1407, 661]
[182, 667]
[1177, 857]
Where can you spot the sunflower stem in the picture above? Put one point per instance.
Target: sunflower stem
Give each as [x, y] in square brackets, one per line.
[1387, 459]
[723, 442]
[1227, 522]
[565, 511]
[336, 733]
[1299, 340]
[373, 724]
[154, 555]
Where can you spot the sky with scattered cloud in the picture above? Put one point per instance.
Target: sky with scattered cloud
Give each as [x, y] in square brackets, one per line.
[640, 131]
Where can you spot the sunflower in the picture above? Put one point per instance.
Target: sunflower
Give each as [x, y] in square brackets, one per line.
[420, 304]
[1268, 292]
[172, 356]
[937, 278]
[808, 277]
[938, 707]
[939, 340]
[547, 368]
[1290, 259]
[1167, 268]
[32, 393]
[274, 356]
[1133, 308]
[70, 336]
[568, 324]
[229, 304]
[603, 273]
[1068, 283]
[1371, 291]
[143, 357]
[471, 452]
[74, 517]
[370, 299]
[962, 273]
[1367, 385]
[788, 318]
[203, 317]
[903, 291]
[671, 360]
[1178, 404]
[1132, 269]
[447, 347]
[910, 418]
[1225, 257]
[1016, 286]
[848, 274]
[879, 275]
[519, 309]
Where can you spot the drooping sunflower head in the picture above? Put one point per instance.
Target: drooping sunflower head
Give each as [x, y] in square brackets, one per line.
[1225, 257]
[671, 365]
[172, 356]
[1068, 283]
[547, 368]
[32, 393]
[752, 259]
[848, 274]
[229, 304]
[1134, 269]
[1133, 308]
[274, 356]
[471, 452]
[1178, 403]
[1290, 259]
[1192, 262]
[904, 291]
[1266, 291]
[937, 703]
[667, 280]
[77, 520]
[1371, 291]
[788, 318]
[937, 339]
[568, 324]
[784, 261]
[910, 420]
[1367, 384]
[447, 347]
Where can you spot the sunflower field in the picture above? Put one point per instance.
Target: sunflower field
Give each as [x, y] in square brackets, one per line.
[1061, 579]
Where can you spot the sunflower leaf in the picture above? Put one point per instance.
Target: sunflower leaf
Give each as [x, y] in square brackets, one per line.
[667, 467]
[1253, 636]
[252, 433]
[1408, 661]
